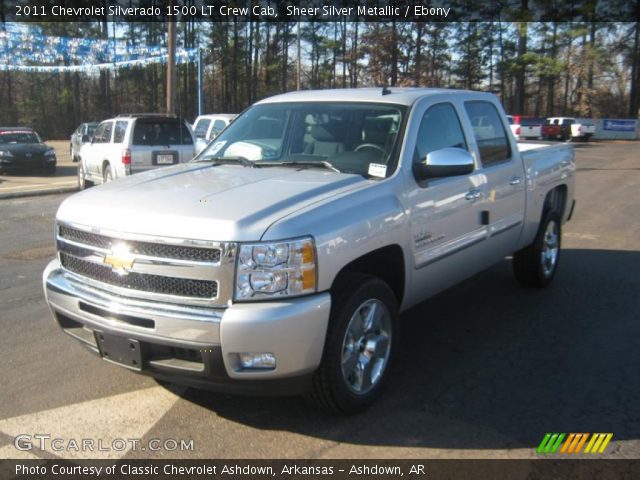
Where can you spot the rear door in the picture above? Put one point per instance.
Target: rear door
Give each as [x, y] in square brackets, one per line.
[159, 142]
[95, 154]
[117, 147]
[503, 209]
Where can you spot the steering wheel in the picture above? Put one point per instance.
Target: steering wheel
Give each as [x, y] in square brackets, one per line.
[370, 145]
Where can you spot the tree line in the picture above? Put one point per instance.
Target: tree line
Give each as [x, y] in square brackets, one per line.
[584, 69]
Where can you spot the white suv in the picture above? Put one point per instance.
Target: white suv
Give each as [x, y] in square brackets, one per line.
[134, 143]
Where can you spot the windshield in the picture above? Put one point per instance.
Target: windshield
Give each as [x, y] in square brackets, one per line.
[22, 136]
[349, 136]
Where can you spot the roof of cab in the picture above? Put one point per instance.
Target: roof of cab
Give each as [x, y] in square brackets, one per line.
[401, 96]
[218, 115]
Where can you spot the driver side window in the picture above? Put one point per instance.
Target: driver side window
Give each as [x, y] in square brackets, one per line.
[439, 128]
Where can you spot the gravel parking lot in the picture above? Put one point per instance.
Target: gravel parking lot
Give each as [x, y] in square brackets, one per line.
[484, 371]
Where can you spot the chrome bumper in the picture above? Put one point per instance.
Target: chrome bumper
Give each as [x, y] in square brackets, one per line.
[293, 330]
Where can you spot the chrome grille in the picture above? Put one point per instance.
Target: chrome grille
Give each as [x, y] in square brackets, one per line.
[187, 272]
[182, 287]
[178, 252]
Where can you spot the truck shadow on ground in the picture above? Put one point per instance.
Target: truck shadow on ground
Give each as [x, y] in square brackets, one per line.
[488, 365]
[579, 144]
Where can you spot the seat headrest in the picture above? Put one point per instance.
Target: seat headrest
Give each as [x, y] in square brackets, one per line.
[326, 133]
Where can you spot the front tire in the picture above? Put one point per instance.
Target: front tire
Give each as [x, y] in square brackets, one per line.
[83, 183]
[536, 265]
[359, 345]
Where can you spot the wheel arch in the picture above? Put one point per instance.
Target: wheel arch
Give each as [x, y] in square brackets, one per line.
[556, 199]
[386, 263]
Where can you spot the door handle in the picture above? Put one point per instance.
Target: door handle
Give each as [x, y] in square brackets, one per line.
[473, 195]
[515, 181]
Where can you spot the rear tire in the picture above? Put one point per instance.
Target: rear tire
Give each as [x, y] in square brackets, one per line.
[536, 265]
[359, 345]
[107, 176]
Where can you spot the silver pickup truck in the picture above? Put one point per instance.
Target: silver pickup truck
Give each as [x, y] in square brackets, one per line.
[279, 260]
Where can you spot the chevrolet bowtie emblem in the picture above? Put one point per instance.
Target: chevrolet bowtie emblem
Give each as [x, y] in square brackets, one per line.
[120, 260]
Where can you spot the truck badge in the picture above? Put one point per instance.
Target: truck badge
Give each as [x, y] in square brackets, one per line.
[120, 259]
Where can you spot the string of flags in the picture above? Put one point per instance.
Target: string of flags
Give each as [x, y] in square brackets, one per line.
[30, 50]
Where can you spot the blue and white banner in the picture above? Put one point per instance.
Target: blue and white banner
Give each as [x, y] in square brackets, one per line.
[619, 125]
[27, 49]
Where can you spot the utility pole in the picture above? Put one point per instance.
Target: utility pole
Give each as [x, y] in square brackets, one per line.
[200, 86]
[171, 66]
[298, 66]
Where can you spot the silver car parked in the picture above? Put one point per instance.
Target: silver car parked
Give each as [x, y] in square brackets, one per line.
[79, 137]
[134, 143]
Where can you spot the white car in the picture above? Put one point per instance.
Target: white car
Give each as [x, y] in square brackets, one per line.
[208, 127]
[130, 144]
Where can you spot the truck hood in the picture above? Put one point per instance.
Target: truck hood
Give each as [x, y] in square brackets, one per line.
[204, 201]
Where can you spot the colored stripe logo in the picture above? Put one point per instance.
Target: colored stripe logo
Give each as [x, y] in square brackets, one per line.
[573, 443]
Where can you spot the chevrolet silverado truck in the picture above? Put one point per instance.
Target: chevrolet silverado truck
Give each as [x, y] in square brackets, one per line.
[280, 258]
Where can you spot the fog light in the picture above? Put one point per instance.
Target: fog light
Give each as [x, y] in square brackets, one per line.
[252, 360]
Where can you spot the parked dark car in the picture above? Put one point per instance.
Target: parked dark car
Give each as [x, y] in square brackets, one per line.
[23, 149]
[82, 134]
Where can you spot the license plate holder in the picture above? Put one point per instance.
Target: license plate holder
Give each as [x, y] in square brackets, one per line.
[122, 351]
[165, 158]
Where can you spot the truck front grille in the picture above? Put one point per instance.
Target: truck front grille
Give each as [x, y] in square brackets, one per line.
[182, 287]
[191, 272]
[159, 250]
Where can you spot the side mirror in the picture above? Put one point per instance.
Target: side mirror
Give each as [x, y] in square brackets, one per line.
[86, 138]
[446, 162]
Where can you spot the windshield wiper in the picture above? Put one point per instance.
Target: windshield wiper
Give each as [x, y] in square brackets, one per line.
[228, 160]
[301, 163]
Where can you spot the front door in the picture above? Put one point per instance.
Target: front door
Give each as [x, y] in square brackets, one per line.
[444, 212]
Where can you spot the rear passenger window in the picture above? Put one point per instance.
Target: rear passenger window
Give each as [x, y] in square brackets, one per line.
[121, 128]
[439, 128]
[489, 132]
[106, 135]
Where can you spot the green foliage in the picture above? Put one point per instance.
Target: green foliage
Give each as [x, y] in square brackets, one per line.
[558, 68]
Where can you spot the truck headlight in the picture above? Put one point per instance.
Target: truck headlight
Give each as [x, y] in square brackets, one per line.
[276, 269]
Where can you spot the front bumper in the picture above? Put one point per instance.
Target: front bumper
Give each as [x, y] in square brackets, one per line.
[22, 164]
[198, 346]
